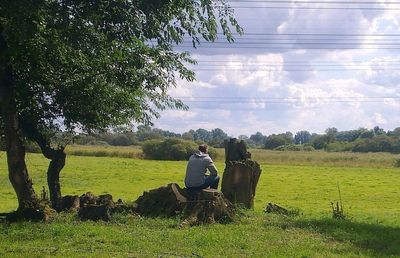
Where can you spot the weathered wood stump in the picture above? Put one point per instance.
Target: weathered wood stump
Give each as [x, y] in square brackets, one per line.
[96, 208]
[69, 203]
[166, 201]
[43, 213]
[236, 150]
[209, 206]
[241, 174]
[194, 207]
[95, 212]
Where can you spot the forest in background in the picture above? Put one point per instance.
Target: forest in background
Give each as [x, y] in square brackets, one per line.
[358, 140]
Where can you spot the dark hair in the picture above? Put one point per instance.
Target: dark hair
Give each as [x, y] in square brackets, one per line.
[203, 148]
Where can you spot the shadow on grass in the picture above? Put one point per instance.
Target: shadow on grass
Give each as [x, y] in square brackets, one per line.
[379, 239]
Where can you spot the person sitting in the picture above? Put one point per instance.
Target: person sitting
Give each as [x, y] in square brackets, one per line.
[196, 177]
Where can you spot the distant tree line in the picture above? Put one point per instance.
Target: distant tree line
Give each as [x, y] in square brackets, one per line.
[359, 140]
[124, 137]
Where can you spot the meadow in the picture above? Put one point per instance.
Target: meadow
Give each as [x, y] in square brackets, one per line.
[313, 158]
[369, 183]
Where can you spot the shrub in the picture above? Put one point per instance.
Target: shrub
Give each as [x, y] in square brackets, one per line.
[84, 139]
[152, 149]
[293, 147]
[275, 140]
[320, 142]
[32, 147]
[172, 149]
[339, 146]
[308, 148]
[212, 152]
[380, 143]
[120, 140]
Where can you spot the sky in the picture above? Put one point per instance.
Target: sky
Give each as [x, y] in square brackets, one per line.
[302, 66]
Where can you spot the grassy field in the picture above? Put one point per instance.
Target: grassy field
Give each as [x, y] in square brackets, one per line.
[104, 151]
[314, 158]
[370, 192]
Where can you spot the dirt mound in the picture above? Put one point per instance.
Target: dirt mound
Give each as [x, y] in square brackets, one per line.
[194, 207]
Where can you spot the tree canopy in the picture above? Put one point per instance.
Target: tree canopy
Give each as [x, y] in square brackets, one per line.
[69, 65]
[94, 64]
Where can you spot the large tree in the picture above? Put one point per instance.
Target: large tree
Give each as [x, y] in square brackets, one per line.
[68, 65]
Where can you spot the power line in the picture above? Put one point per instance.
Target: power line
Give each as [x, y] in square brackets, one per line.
[225, 102]
[313, 8]
[286, 102]
[299, 62]
[229, 64]
[265, 67]
[232, 46]
[290, 98]
[295, 42]
[261, 109]
[312, 2]
[280, 63]
[321, 37]
[317, 34]
[250, 64]
[297, 70]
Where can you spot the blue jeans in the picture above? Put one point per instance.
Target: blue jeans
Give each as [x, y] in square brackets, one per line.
[210, 181]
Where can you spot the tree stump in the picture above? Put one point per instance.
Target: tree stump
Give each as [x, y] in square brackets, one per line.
[202, 206]
[69, 203]
[102, 207]
[241, 174]
[209, 206]
[236, 150]
[166, 201]
[96, 208]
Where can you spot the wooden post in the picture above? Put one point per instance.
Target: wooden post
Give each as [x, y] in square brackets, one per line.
[241, 174]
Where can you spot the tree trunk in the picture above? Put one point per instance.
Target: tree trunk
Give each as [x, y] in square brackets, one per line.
[241, 174]
[57, 163]
[240, 180]
[57, 157]
[235, 150]
[18, 173]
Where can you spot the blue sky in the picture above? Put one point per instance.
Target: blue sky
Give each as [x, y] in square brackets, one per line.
[259, 84]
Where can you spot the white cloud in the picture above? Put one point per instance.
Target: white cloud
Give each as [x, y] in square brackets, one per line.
[379, 119]
[347, 93]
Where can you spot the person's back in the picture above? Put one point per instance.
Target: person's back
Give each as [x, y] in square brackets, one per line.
[196, 170]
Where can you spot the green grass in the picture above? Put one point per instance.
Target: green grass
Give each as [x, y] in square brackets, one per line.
[371, 197]
[104, 151]
[313, 158]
